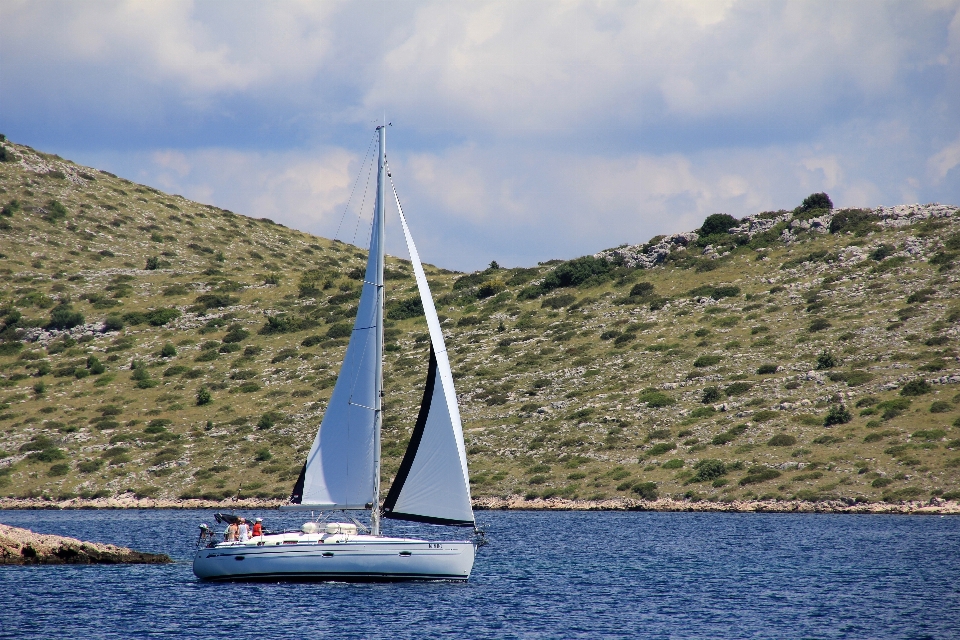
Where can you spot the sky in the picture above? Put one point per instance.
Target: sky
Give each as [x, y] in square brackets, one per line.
[521, 131]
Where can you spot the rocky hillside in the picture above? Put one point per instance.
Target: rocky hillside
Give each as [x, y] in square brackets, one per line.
[171, 349]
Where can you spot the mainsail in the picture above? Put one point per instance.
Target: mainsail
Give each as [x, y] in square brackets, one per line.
[432, 484]
[342, 468]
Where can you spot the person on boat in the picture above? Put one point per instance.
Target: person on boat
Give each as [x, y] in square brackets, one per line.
[243, 530]
[257, 527]
[231, 534]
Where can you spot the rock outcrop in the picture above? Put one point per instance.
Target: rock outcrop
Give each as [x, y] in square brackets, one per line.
[22, 546]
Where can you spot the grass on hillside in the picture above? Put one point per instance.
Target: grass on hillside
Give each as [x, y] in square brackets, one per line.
[201, 346]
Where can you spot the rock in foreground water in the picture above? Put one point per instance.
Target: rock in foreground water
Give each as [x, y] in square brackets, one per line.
[22, 546]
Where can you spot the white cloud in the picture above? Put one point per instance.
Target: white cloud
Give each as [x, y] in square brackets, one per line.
[528, 130]
[826, 166]
[945, 160]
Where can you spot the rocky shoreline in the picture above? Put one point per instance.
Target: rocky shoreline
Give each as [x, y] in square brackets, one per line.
[934, 506]
[24, 547]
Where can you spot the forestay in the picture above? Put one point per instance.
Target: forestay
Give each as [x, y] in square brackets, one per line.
[432, 484]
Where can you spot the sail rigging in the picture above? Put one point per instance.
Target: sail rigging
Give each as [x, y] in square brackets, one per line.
[342, 470]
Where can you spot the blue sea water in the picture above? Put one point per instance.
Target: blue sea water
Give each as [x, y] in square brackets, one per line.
[544, 575]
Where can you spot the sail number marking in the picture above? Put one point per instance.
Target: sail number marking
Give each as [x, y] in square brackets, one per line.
[434, 545]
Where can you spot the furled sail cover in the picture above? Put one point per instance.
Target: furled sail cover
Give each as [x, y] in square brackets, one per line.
[339, 472]
[432, 484]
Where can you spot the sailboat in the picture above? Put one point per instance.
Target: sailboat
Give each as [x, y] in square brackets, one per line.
[342, 469]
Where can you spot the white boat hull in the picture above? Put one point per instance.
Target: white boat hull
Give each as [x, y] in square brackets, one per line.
[359, 558]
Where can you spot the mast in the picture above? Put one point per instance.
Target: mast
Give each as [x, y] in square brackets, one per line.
[378, 228]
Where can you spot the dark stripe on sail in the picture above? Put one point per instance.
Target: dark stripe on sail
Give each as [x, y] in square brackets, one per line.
[412, 517]
[297, 495]
[411, 454]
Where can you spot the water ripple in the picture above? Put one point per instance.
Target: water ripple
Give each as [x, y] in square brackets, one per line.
[545, 575]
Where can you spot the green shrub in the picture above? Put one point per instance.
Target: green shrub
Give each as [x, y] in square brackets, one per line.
[766, 369]
[708, 469]
[916, 388]
[55, 211]
[113, 323]
[819, 325]
[89, 466]
[738, 388]
[268, 420]
[837, 415]
[203, 397]
[858, 221]
[168, 351]
[701, 412]
[10, 348]
[10, 208]
[469, 321]
[176, 290]
[404, 309]
[880, 483]
[339, 330]
[235, 334]
[710, 395]
[852, 378]
[160, 317]
[153, 263]
[675, 463]
[893, 408]
[216, 300]
[576, 272]
[882, 251]
[661, 448]
[707, 361]
[64, 317]
[814, 202]
[764, 415]
[717, 293]
[95, 366]
[930, 435]
[717, 223]
[941, 406]
[907, 493]
[641, 290]
[782, 440]
[646, 490]
[759, 474]
[826, 360]
[656, 399]
[558, 301]
[581, 414]
[57, 470]
[51, 454]
[723, 438]
[207, 355]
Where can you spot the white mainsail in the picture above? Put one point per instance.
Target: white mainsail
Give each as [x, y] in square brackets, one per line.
[342, 468]
[432, 484]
